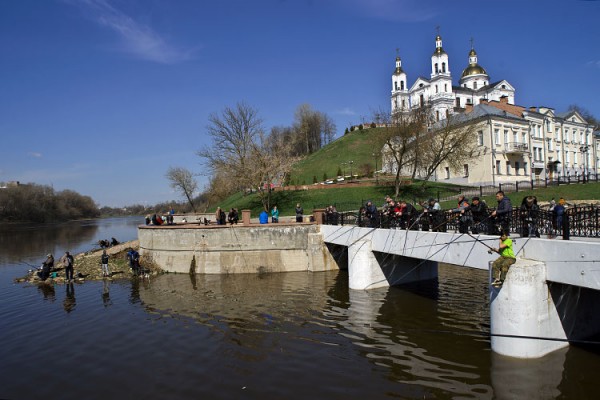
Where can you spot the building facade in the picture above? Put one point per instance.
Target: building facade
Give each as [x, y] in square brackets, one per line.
[514, 143]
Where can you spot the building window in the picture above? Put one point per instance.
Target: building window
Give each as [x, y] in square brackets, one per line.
[445, 87]
[515, 137]
[403, 104]
[517, 168]
[480, 138]
[395, 85]
[505, 136]
[498, 170]
[524, 168]
[475, 85]
[422, 98]
[508, 168]
[466, 170]
[437, 115]
[443, 67]
[566, 135]
[447, 172]
[401, 85]
[497, 136]
[458, 102]
[524, 137]
[436, 88]
[436, 68]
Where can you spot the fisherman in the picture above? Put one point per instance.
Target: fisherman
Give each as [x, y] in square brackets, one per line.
[503, 212]
[479, 211]
[530, 212]
[47, 266]
[104, 261]
[464, 219]
[67, 261]
[433, 216]
[371, 214]
[507, 258]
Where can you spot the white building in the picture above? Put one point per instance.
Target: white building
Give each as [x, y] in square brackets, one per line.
[515, 143]
[438, 91]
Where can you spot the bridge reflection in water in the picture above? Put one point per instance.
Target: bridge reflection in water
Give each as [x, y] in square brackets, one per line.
[528, 320]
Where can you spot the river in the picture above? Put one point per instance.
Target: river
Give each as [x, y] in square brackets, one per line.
[268, 336]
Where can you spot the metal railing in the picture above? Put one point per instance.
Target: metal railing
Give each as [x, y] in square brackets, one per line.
[576, 221]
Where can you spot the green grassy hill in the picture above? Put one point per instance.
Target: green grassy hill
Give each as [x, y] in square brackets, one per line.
[357, 147]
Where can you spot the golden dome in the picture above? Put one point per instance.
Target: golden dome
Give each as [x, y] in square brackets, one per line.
[473, 69]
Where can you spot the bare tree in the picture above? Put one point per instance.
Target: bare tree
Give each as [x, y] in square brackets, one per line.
[451, 141]
[242, 156]
[182, 180]
[313, 129]
[397, 140]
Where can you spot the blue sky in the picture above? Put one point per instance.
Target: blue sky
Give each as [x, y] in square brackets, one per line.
[102, 96]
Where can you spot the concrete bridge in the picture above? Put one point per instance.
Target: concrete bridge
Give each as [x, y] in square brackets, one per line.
[551, 295]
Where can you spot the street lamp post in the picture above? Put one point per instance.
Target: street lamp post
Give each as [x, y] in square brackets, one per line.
[350, 162]
[584, 150]
[376, 180]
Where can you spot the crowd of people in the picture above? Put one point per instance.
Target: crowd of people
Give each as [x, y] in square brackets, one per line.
[472, 216]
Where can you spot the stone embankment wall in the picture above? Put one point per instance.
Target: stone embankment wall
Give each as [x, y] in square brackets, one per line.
[236, 249]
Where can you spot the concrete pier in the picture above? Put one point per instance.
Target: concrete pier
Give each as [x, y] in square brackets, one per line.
[523, 313]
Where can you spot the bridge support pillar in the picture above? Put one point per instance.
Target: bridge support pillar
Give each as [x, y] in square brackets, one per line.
[523, 313]
[364, 271]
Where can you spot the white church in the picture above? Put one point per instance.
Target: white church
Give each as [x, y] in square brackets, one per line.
[438, 91]
[515, 142]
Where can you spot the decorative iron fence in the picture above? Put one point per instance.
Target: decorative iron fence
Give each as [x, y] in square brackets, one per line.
[577, 221]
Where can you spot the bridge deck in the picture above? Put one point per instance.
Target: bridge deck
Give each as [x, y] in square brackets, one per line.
[570, 262]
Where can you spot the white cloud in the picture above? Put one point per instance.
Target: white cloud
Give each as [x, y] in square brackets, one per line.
[136, 38]
[595, 63]
[34, 154]
[345, 111]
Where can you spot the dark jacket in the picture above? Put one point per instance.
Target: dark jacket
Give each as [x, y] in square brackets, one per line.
[504, 208]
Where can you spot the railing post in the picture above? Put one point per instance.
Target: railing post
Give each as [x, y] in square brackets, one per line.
[517, 187]
[480, 191]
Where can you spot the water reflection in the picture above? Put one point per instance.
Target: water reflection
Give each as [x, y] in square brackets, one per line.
[528, 379]
[47, 290]
[69, 302]
[106, 293]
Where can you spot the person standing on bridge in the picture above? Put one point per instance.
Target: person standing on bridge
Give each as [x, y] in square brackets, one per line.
[503, 212]
[507, 258]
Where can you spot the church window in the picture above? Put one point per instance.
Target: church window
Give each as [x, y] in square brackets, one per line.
[420, 85]
[436, 68]
[443, 67]
[401, 85]
[422, 99]
[458, 102]
[436, 88]
[445, 87]
[403, 104]
[437, 115]
[503, 86]
[475, 85]
[395, 85]
[447, 113]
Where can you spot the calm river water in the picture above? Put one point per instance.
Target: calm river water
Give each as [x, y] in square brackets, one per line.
[273, 336]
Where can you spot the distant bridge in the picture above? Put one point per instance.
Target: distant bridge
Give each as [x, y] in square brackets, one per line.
[551, 295]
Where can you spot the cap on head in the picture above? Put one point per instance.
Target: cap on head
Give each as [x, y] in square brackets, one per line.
[475, 198]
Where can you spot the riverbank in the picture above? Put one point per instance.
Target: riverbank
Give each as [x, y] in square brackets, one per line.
[87, 266]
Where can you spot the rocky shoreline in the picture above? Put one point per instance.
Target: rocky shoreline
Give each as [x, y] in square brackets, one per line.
[87, 266]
